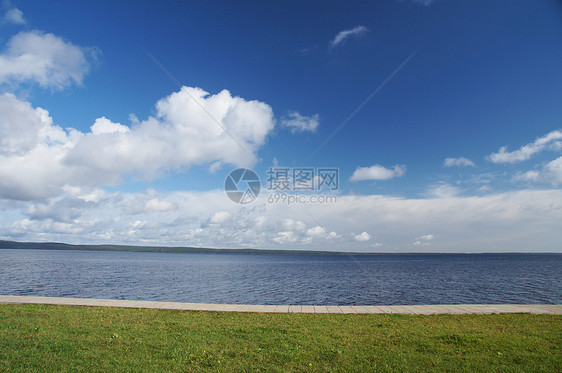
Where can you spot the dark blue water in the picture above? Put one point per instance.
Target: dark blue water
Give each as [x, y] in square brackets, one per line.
[284, 279]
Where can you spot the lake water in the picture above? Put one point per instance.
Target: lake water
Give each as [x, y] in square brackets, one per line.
[284, 279]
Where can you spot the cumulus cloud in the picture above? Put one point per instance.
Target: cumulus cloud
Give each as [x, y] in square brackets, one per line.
[179, 136]
[362, 237]
[38, 158]
[300, 123]
[103, 125]
[459, 162]
[316, 231]
[378, 172]
[12, 14]
[552, 140]
[342, 36]
[23, 127]
[45, 59]
[31, 150]
[320, 232]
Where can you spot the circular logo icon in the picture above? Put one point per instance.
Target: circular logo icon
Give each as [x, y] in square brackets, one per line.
[242, 186]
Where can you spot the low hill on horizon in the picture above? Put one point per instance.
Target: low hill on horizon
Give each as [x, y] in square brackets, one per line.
[160, 249]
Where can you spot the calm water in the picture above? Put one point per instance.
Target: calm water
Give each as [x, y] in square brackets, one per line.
[284, 279]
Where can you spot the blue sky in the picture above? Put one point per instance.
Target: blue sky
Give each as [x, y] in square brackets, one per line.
[120, 121]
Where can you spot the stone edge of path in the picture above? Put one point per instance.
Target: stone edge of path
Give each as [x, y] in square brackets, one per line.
[555, 309]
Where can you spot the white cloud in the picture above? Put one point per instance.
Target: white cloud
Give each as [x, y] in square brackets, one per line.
[285, 237]
[148, 203]
[553, 171]
[31, 150]
[34, 56]
[22, 127]
[362, 237]
[156, 205]
[63, 210]
[103, 125]
[39, 159]
[532, 176]
[290, 224]
[442, 190]
[316, 231]
[426, 237]
[552, 140]
[299, 123]
[181, 135]
[342, 36]
[423, 240]
[514, 221]
[133, 119]
[333, 234]
[459, 162]
[377, 172]
[13, 15]
[220, 218]
[550, 173]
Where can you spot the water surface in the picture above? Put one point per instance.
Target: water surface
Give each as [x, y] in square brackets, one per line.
[284, 279]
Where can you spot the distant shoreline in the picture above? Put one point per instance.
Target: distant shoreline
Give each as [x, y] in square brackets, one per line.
[203, 250]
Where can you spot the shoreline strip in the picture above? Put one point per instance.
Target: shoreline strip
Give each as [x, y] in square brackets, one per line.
[433, 309]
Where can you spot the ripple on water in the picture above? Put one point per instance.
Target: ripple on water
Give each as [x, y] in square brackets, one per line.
[284, 279]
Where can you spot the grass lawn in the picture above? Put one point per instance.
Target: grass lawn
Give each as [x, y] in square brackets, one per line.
[75, 338]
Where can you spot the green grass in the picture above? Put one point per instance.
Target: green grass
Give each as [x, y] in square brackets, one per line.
[72, 338]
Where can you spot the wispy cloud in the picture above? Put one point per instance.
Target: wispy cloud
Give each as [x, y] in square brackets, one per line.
[378, 172]
[552, 140]
[423, 240]
[442, 190]
[458, 162]
[554, 171]
[13, 14]
[427, 237]
[529, 176]
[550, 173]
[300, 123]
[342, 36]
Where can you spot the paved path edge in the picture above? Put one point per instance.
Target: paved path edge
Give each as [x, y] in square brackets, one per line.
[555, 309]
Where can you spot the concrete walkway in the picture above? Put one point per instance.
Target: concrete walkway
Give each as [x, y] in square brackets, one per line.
[555, 309]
